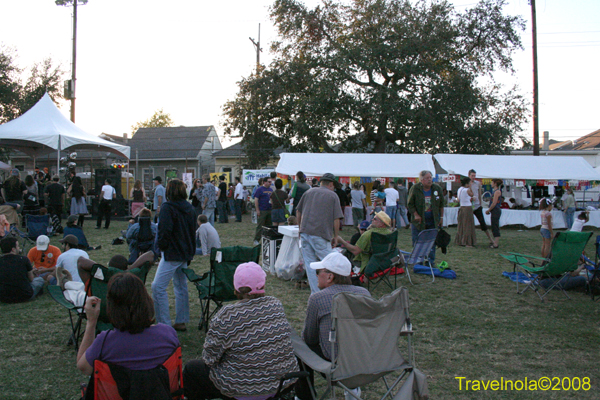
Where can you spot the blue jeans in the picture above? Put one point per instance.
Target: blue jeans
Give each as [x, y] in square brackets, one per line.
[569, 217]
[37, 284]
[165, 271]
[238, 210]
[401, 214]
[231, 206]
[415, 235]
[567, 283]
[391, 212]
[210, 214]
[198, 251]
[314, 248]
[222, 207]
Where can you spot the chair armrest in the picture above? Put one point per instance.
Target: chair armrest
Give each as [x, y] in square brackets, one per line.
[309, 357]
[528, 256]
[57, 294]
[192, 276]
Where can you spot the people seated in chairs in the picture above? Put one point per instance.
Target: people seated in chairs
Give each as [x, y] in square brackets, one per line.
[43, 257]
[17, 281]
[333, 274]
[135, 342]
[247, 347]
[73, 229]
[362, 250]
[207, 237]
[13, 189]
[70, 255]
[140, 235]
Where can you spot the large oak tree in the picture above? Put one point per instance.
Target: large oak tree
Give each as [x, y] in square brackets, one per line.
[383, 76]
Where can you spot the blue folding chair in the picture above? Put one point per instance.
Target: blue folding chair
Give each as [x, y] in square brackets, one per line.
[37, 225]
[420, 252]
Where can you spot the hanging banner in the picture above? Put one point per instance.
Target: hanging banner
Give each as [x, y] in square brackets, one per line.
[448, 178]
[250, 177]
[519, 183]
[550, 183]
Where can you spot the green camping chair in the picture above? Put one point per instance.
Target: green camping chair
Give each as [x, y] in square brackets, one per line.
[76, 314]
[216, 285]
[564, 256]
[98, 286]
[384, 258]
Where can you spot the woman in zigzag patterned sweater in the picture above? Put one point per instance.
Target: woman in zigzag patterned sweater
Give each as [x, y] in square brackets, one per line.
[247, 347]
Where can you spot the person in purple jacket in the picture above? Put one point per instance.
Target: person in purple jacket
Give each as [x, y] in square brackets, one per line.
[134, 343]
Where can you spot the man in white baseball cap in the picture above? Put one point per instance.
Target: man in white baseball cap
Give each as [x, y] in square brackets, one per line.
[43, 257]
[333, 275]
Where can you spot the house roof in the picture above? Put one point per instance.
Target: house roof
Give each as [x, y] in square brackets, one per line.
[237, 150]
[174, 142]
[591, 141]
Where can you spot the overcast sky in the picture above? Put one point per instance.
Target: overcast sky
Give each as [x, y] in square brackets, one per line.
[137, 56]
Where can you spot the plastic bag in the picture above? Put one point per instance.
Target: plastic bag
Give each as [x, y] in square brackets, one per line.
[290, 264]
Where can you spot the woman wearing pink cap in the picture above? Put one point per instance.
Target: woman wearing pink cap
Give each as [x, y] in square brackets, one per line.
[247, 347]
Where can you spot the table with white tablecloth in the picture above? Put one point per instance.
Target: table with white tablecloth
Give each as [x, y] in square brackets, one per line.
[527, 218]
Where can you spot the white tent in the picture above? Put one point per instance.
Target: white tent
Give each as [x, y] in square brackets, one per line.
[517, 167]
[44, 129]
[355, 164]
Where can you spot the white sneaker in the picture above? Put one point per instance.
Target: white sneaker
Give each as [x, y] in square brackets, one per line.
[348, 396]
[256, 242]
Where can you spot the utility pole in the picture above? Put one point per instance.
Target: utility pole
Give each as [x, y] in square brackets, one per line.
[258, 50]
[74, 65]
[70, 84]
[536, 128]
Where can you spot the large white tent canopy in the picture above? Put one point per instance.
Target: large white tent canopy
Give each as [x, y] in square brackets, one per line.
[44, 129]
[355, 164]
[517, 167]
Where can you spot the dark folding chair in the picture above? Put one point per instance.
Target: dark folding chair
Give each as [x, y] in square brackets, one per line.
[593, 283]
[216, 285]
[384, 261]
[98, 286]
[37, 225]
[76, 314]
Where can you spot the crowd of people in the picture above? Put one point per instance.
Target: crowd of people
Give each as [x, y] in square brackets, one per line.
[144, 336]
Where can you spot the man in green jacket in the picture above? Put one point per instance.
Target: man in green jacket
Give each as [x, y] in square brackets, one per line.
[426, 206]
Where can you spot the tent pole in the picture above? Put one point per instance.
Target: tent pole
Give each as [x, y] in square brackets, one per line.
[58, 158]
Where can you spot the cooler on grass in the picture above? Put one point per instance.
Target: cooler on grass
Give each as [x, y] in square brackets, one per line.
[271, 243]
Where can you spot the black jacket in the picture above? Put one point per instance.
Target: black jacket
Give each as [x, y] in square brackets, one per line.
[177, 231]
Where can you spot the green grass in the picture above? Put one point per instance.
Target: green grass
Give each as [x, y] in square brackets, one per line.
[475, 327]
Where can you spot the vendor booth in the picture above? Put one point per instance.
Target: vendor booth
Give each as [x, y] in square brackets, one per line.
[352, 167]
[523, 176]
[44, 129]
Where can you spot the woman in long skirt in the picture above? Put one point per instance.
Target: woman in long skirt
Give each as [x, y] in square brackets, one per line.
[78, 204]
[465, 236]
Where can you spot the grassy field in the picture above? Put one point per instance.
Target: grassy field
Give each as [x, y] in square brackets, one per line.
[474, 327]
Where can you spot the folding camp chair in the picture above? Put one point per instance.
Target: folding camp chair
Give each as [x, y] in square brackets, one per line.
[383, 261]
[98, 286]
[364, 346]
[217, 285]
[420, 252]
[76, 314]
[593, 273]
[567, 248]
[104, 386]
[37, 225]
[25, 243]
